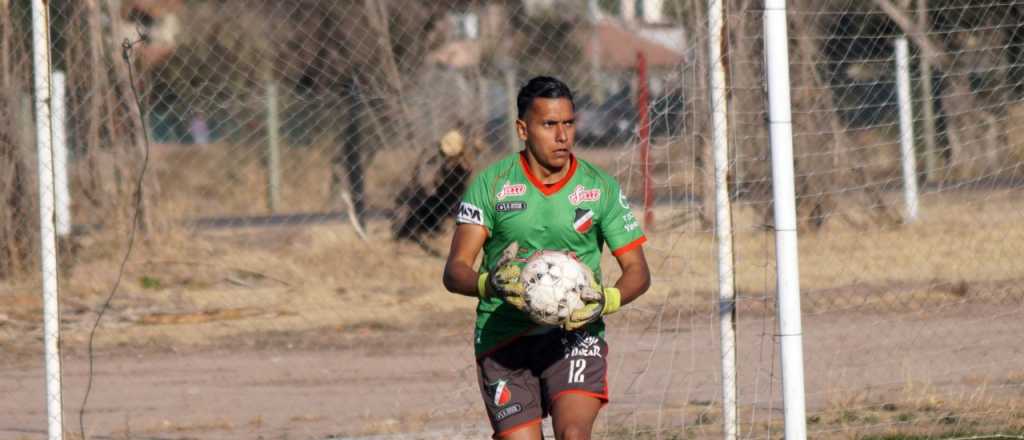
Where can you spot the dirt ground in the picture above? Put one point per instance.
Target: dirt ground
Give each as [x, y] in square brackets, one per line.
[307, 331]
[420, 383]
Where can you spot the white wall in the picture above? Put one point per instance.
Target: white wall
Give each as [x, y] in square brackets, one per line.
[630, 10]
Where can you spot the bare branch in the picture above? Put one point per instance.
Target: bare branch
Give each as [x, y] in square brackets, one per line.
[928, 47]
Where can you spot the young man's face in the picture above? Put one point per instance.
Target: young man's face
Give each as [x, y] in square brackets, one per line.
[549, 130]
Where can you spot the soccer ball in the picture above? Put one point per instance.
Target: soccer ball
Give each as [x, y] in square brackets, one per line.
[553, 282]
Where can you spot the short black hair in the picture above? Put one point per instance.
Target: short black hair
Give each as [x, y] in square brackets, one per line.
[541, 87]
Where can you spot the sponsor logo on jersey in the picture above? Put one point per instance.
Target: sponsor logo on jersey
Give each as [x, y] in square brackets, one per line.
[508, 412]
[470, 214]
[581, 194]
[509, 206]
[584, 220]
[510, 190]
[629, 222]
[500, 394]
[623, 200]
[582, 344]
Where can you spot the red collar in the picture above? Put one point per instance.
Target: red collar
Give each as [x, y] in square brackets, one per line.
[547, 188]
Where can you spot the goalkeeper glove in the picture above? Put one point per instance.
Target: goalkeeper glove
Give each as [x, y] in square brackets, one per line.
[597, 302]
[504, 282]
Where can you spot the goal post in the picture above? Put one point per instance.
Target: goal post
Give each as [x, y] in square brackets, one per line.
[723, 217]
[784, 197]
[47, 230]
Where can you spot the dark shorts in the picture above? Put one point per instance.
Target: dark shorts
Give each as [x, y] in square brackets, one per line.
[521, 379]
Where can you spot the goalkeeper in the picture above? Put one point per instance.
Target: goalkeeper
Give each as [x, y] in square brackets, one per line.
[543, 198]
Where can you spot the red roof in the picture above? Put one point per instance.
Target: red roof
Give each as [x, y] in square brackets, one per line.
[618, 47]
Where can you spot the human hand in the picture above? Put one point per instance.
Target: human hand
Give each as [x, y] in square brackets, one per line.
[597, 302]
[504, 282]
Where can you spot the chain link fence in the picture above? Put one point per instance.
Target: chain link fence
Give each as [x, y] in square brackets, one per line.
[302, 159]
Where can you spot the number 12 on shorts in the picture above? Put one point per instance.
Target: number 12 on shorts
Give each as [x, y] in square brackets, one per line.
[576, 367]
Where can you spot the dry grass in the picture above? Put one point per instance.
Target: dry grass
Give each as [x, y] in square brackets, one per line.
[965, 246]
[192, 288]
[921, 411]
[189, 286]
[917, 411]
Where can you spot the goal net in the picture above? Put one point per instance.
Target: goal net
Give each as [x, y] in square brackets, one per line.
[253, 206]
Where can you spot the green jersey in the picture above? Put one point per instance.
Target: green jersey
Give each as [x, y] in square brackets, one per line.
[579, 214]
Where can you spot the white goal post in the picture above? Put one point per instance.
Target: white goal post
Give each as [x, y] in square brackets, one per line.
[47, 228]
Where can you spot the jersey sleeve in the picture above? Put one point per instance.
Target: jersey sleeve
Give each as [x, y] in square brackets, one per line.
[620, 228]
[475, 204]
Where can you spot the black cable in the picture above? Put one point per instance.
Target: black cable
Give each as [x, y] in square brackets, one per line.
[126, 49]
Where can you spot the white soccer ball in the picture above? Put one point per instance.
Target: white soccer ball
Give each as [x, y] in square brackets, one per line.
[553, 282]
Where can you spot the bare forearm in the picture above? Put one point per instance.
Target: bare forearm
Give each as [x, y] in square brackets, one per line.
[461, 279]
[459, 275]
[632, 284]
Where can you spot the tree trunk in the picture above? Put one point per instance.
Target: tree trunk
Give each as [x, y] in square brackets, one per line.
[347, 162]
[19, 212]
[747, 100]
[928, 101]
[129, 92]
[842, 172]
[706, 184]
[18, 233]
[971, 152]
[19, 226]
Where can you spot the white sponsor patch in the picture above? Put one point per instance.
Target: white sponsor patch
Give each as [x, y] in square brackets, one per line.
[584, 345]
[509, 206]
[630, 222]
[510, 190]
[581, 194]
[508, 412]
[470, 214]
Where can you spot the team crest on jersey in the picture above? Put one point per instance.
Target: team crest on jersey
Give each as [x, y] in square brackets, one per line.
[499, 392]
[511, 190]
[581, 194]
[584, 220]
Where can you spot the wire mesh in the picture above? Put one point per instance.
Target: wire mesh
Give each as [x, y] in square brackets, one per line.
[905, 320]
[305, 156]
